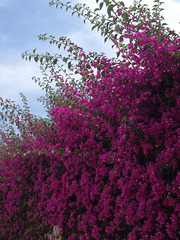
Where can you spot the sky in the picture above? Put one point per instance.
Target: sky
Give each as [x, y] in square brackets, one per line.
[20, 24]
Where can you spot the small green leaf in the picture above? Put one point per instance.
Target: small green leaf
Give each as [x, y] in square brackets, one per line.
[139, 26]
[117, 54]
[65, 59]
[36, 58]
[109, 9]
[96, 9]
[54, 61]
[41, 60]
[107, 2]
[136, 43]
[70, 49]
[148, 34]
[105, 39]
[115, 20]
[178, 55]
[101, 5]
[125, 17]
[160, 39]
[122, 4]
[153, 20]
[172, 33]
[69, 65]
[88, 65]
[94, 26]
[133, 9]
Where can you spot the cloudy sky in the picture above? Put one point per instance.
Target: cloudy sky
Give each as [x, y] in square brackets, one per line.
[22, 21]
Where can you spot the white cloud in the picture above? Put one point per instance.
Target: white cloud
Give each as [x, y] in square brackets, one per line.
[92, 41]
[17, 77]
[171, 14]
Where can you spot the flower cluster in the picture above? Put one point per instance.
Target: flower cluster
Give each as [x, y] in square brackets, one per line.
[108, 166]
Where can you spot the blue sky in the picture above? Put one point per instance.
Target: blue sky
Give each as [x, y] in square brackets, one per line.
[22, 21]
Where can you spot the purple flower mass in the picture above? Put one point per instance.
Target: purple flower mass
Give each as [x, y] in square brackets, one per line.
[107, 165]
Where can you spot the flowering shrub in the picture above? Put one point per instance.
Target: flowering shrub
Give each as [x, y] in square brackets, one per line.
[106, 165]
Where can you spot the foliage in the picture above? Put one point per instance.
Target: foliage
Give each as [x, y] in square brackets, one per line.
[105, 162]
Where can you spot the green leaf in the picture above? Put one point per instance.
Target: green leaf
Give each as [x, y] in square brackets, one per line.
[109, 9]
[69, 65]
[148, 34]
[94, 26]
[115, 20]
[178, 55]
[36, 58]
[115, 36]
[122, 4]
[139, 26]
[101, 5]
[160, 39]
[105, 39]
[54, 61]
[65, 59]
[96, 9]
[70, 49]
[133, 9]
[107, 2]
[117, 54]
[88, 65]
[41, 60]
[136, 43]
[172, 33]
[125, 17]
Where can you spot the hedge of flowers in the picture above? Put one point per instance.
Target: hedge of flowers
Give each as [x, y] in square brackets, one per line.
[107, 167]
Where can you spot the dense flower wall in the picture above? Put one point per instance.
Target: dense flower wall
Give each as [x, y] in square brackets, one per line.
[108, 166]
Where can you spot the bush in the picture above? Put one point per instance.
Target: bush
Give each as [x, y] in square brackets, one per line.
[105, 165]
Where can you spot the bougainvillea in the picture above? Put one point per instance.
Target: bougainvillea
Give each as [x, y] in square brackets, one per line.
[107, 165]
